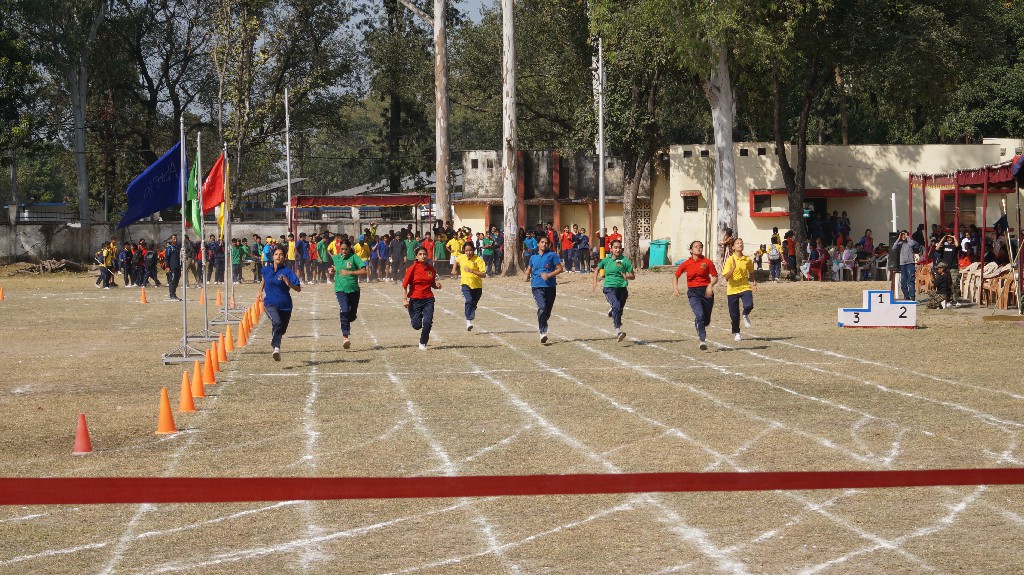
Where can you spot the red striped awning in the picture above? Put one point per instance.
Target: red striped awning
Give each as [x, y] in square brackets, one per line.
[389, 201]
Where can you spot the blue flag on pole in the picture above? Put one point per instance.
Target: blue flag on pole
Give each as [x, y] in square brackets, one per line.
[158, 188]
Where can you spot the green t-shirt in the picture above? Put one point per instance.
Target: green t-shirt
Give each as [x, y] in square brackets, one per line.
[613, 270]
[347, 283]
[487, 247]
[236, 254]
[321, 250]
[410, 249]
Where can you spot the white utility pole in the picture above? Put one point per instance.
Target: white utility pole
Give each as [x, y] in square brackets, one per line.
[287, 164]
[509, 148]
[599, 83]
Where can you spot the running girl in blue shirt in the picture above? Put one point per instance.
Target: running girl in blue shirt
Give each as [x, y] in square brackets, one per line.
[275, 290]
[541, 272]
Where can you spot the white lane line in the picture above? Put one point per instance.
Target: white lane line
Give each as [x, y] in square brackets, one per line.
[885, 545]
[216, 520]
[24, 518]
[696, 537]
[807, 504]
[448, 467]
[53, 553]
[298, 544]
[311, 554]
[985, 418]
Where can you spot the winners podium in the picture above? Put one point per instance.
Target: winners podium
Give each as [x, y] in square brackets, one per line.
[879, 310]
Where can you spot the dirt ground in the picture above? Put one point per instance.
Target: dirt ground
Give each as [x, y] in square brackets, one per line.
[797, 393]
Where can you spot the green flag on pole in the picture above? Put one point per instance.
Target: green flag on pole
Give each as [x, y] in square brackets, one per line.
[194, 213]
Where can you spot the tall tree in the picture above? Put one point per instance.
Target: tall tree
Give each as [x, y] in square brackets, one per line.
[63, 34]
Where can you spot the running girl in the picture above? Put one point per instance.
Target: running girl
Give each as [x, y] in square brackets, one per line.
[617, 271]
[738, 273]
[701, 277]
[420, 279]
[473, 269]
[347, 268]
[275, 291]
[541, 272]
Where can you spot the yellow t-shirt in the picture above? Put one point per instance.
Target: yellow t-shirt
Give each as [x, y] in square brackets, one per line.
[291, 250]
[743, 268]
[454, 246]
[362, 250]
[477, 263]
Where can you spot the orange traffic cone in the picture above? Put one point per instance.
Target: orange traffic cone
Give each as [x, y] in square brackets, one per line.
[185, 403]
[228, 344]
[209, 378]
[220, 300]
[166, 422]
[214, 357]
[198, 389]
[202, 294]
[222, 354]
[82, 443]
[243, 334]
[1, 294]
[142, 298]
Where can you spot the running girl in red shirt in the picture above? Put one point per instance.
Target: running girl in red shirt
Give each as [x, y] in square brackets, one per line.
[420, 278]
[701, 277]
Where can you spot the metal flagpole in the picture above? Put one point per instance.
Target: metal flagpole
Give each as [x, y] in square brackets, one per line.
[225, 315]
[287, 165]
[600, 146]
[205, 334]
[183, 353]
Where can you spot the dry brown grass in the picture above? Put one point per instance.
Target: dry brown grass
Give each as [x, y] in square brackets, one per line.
[798, 394]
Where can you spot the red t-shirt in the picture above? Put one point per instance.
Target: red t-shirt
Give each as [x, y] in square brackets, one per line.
[421, 277]
[429, 244]
[566, 240]
[608, 241]
[698, 271]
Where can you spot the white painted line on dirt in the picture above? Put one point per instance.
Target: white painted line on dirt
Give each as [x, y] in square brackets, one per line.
[692, 535]
[216, 520]
[807, 504]
[53, 553]
[24, 518]
[309, 555]
[297, 544]
[448, 467]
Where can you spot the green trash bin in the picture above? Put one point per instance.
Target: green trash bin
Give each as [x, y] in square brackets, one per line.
[659, 252]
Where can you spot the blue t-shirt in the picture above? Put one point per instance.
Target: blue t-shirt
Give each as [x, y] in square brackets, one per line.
[543, 263]
[530, 245]
[276, 292]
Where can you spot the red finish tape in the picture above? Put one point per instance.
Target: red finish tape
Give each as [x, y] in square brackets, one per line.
[98, 490]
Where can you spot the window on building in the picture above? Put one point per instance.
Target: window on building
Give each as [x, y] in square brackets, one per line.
[705, 153]
[744, 152]
[690, 203]
[762, 203]
[762, 151]
[490, 164]
[397, 213]
[611, 164]
[539, 214]
[474, 163]
[687, 153]
[968, 209]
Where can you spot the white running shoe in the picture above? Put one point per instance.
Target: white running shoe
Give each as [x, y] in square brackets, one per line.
[277, 354]
[609, 312]
[703, 345]
[423, 346]
[621, 336]
[346, 344]
[543, 338]
[469, 325]
[738, 337]
[746, 321]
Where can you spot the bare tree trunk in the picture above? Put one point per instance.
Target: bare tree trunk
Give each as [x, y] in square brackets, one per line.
[844, 116]
[509, 160]
[78, 79]
[719, 92]
[76, 73]
[630, 221]
[443, 167]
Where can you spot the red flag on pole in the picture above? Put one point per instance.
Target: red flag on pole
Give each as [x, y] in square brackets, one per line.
[213, 186]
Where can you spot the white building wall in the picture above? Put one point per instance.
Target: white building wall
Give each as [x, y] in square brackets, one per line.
[879, 170]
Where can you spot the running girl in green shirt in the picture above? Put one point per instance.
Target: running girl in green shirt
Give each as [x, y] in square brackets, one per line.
[618, 270]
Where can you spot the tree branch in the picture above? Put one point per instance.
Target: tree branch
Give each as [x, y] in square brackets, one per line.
[415, 10]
